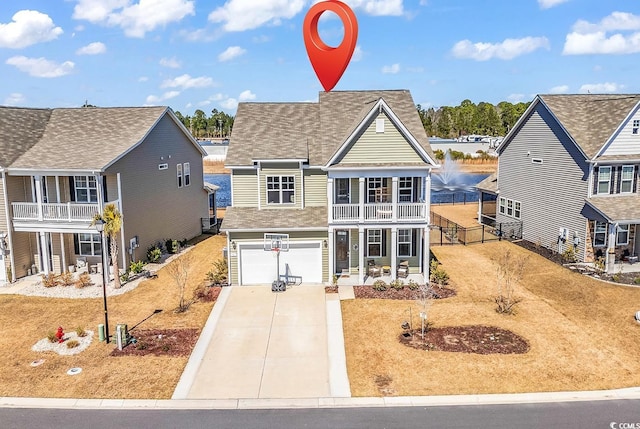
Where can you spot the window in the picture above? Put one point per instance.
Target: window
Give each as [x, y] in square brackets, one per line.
[405, 243]
[342, 191]
[626, 179]
[405, 190]
[179, 172]
[86, 189]
[377, 190]
[503, 205]
[89, 244]
[516, 209]
[281, 189]
[604, 180]
[636, 125]
[622, 235]
[380, 125]
[187, 174]
[374, 242]
[509, 207]
[600, 234]
[537, 160]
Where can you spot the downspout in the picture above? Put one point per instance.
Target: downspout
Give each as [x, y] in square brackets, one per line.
[124, 249]
[9, 226]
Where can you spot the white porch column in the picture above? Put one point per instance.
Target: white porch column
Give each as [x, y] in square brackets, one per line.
[332, 254]
[63, 251]
[611, 249]
[44, 253]
[394, 252]
[361, 265]
[330, 200]
[394, 198]
[362, 196]
[101, 193]
[425, 254]
[37, 184]
[427, 198]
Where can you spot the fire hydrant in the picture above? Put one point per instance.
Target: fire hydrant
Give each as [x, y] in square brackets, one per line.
[60, 334]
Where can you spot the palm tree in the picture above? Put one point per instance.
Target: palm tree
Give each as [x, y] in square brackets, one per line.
[112, 219]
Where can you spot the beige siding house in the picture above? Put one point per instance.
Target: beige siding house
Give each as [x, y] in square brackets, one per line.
[346, 180]
[59, 167]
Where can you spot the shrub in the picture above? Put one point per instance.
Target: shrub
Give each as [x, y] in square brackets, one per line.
[380, 285]
[84, 280]
[219, 273]
[437, 274]
[413, 285]
[66, 278]
[172, 246]
[136, 267]
[124, 277]
[154, 253]
[636, 280]
[81, 332]
[397, 284]
[599, 264]
[204, 293]
[71, 344]
[141, 345]
[51, 336]
[569, 255]
[50, 280]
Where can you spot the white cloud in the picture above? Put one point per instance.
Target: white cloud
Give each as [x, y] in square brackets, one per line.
[392, 69]
[171, 63]
[154, 99]
[516, 98]
[27, 28]
[593, 38]
[601, 88]
[41, 67]
[358, 53]
[230, 53]
[546, 4]
[379, 7]
[94, 48]
[246, 96]
[143, 79]
[186, 81]
[15, 99]
[135, 19]
[506, 50]
[560, 89]
[229, 104]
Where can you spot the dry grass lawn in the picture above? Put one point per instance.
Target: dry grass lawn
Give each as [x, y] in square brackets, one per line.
[581, 331]
[25, 320]
[214, 167]
[463, 214]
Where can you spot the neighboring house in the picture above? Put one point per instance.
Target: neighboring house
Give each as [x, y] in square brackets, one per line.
[569, 171]
[347, 178]
[59, 167]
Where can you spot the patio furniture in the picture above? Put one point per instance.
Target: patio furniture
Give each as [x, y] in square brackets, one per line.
[403, 269]
[81, 264]
[386, 270]
[373, 270]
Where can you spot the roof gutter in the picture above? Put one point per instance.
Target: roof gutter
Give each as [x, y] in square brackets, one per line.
[311, 228]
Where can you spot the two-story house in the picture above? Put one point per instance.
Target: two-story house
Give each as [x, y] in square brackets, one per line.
[346, 179]
[569, 171]
[59, 167]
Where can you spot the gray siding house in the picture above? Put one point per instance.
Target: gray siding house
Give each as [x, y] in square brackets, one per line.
[569, 171]
[59, 167]
[347, 179]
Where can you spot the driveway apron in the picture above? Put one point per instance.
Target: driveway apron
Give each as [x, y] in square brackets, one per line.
[267, 345]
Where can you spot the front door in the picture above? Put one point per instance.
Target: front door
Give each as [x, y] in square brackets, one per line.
[342, 251]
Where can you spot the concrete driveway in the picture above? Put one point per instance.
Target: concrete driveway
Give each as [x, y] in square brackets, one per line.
[270, 345]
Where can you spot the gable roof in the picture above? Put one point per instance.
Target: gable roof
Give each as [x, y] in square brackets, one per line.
[313, 131]
[19, 130]
[88, 138]
[590, 119]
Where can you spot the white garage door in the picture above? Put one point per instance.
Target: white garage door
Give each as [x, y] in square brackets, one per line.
[259, 267]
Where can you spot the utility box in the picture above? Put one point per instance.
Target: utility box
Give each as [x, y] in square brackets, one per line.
[122, 335]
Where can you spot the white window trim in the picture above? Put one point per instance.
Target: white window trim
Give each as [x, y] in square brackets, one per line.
[95, 240]
[405, 188]
[635, 126]
[603, 232]
[378, 183]
[503, 206]
[409, 242]
[624, 228]
[87, 187]
[510, 208]
[280, 189]
[337, 189]
[179, 175]
[623, 180]
[187, 173]
[608, 181]
[378, 243]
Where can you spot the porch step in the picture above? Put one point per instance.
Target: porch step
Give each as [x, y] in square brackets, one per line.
[346, 292]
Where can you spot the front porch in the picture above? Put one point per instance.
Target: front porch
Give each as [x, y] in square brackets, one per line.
[353, 279]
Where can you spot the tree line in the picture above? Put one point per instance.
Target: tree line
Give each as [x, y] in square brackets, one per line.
[445, 122]
[470, 118]
[219, 124]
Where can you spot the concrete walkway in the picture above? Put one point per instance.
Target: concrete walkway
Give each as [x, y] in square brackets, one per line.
[269, 345]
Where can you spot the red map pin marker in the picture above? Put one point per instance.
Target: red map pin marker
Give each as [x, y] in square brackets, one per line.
[330, 63]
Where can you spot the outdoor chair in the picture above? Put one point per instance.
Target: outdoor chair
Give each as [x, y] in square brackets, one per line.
[373, 270]
[403, 269]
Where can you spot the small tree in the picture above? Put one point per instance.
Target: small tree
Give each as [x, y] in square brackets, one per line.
[179, 270]
[425, 299]
[112, 219]
[509, 271]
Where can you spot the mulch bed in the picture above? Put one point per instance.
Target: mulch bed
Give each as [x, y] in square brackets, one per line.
[160, 342]
[331, 289]
[477, 339]
[368, 292]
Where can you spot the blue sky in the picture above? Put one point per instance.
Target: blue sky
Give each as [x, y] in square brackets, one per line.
[198, 54]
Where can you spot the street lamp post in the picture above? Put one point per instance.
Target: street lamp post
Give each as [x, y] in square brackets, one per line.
[105, 279]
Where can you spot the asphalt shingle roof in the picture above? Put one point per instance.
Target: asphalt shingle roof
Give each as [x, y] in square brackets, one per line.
[19, 130]
[87, 138]
[274, 219]
[489, 184]
[622, 209]
[591, 118]
[313, 131]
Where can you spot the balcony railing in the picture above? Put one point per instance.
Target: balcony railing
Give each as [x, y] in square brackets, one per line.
[54, 212]
[379, 212]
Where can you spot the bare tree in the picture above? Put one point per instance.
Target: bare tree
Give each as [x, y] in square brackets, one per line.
[425, 299]
[509, 272]
[179, 270]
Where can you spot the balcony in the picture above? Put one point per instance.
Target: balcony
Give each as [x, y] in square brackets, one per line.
[63, 215]
[379, 212]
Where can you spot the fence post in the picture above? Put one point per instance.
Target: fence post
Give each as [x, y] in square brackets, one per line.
[482, 234]
[500, 232]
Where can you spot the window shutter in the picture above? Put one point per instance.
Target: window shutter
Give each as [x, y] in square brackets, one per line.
[76, 244]
[72, 190]
[414, 242]
[104, 189]
[618, 182]
[635, 179]
[384, 242]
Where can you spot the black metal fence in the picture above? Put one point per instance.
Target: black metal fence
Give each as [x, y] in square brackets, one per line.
[444, 232]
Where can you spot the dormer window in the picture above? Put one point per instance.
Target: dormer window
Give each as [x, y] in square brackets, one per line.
[636, 126]
[604, 180]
